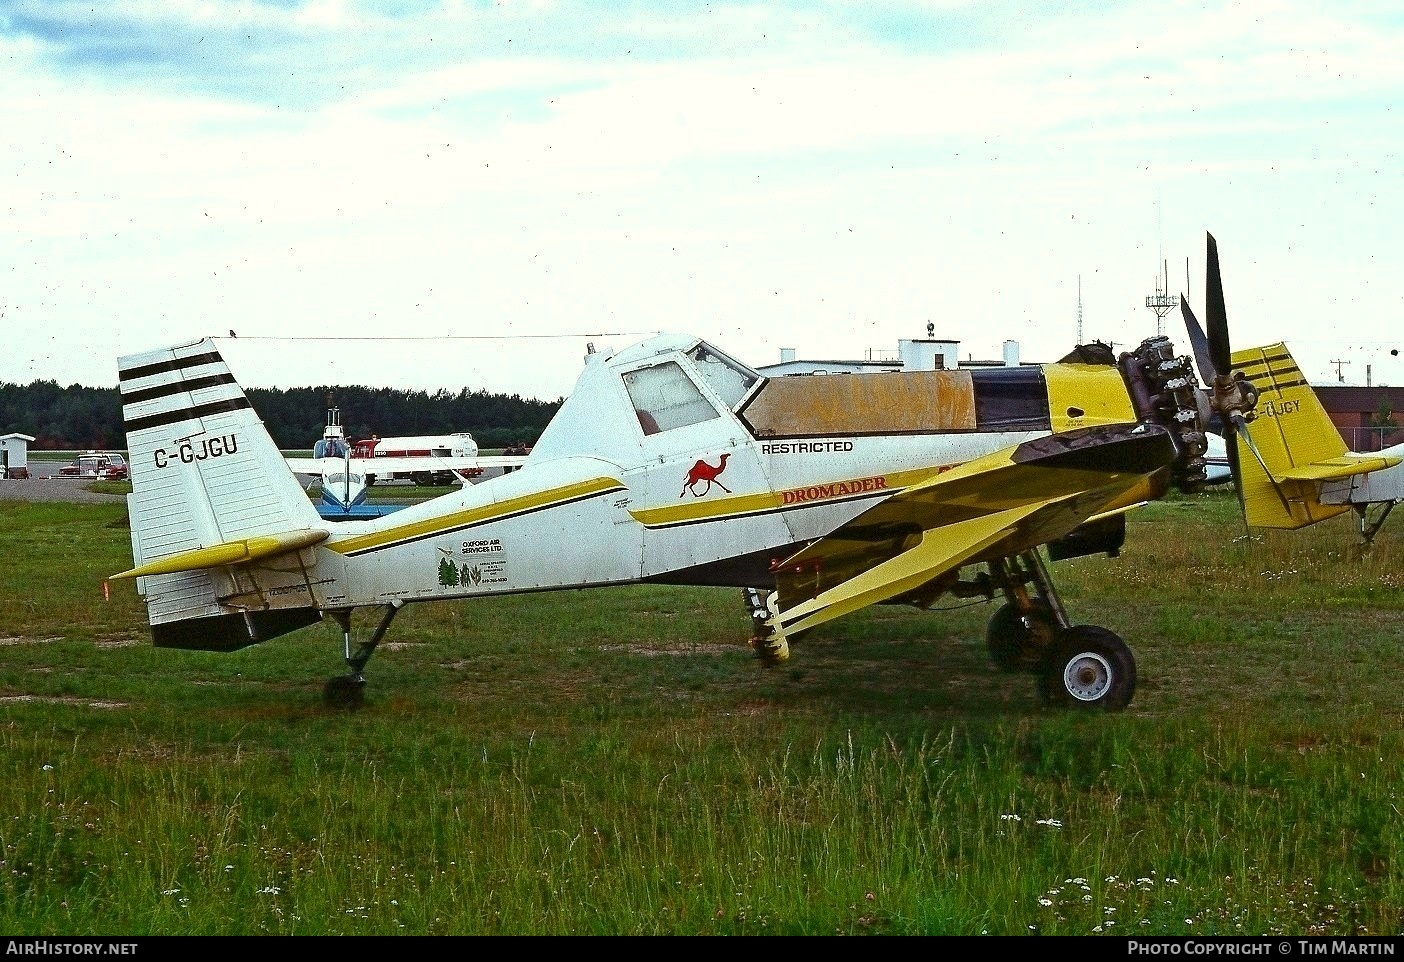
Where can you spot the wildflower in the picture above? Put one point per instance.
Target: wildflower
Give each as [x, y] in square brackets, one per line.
[269, 890]
[1010, 818]
[48, 768]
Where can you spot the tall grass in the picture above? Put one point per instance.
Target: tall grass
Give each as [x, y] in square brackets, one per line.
[614, 761]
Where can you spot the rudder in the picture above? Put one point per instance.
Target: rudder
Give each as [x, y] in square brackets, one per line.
[206, 475]
[1299, 444]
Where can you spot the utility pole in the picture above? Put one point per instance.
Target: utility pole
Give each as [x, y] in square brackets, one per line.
[1339, 364]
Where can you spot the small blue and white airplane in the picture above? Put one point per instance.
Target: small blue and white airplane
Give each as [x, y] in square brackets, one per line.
[345, 474]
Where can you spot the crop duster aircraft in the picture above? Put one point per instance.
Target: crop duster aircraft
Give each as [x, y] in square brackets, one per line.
[1291, 466]
[672, 462]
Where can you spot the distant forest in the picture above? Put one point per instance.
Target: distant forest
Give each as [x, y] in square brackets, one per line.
[77, 418]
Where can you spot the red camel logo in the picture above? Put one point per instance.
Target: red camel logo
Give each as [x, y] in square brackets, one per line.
[702, 471]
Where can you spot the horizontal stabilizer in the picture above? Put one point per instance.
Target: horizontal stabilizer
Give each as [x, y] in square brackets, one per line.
[242, 551]
[1334, 469]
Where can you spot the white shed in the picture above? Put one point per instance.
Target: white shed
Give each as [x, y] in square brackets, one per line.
[14, 455]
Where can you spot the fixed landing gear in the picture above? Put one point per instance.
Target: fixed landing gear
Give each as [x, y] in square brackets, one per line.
[1088, 668]
[771, 646]
[1077, 666]
[1015, 640]
[1370, 517]
[348, 691]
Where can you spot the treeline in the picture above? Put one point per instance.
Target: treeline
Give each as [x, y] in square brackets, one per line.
[77, 417]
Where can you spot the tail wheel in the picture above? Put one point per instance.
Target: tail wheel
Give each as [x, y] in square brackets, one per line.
[1088, 668]
[344, 691]
[1017, 643]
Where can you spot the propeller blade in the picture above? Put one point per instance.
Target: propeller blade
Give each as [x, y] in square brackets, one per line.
[1214, 315]
[1203, 359]
[1235, 471]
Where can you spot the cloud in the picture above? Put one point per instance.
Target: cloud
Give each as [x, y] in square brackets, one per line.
[814, 175]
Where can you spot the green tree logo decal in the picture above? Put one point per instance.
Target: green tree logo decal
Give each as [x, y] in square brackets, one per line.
[448, 572]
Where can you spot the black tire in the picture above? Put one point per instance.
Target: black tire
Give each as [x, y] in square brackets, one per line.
[1014, 646]
[344, 691]
[1089, 669]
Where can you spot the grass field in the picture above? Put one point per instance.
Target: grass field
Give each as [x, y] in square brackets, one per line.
[615, 762]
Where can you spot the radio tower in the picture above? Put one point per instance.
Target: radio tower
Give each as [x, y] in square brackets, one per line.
[1079, 309]
[1161, 302]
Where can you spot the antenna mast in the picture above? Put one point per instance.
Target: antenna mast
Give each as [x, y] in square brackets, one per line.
[1161, 302]
[1079, 309]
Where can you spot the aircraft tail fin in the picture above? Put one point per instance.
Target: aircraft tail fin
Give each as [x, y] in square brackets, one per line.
[1300, 447]
[212, 498]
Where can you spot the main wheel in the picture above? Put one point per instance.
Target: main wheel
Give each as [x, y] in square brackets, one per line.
[1088, 668]
[1014, 645]
[344, 691]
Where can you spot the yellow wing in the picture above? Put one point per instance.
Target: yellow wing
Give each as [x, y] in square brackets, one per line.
[915, 542]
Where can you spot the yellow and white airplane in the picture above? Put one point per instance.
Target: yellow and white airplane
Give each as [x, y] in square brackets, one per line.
[1292, 468]
[673, 462]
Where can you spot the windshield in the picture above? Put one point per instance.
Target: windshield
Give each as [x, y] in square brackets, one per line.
[664, 398]
[728, 377]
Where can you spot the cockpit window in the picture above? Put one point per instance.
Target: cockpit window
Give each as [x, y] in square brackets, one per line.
[664, 398]
[728, 377]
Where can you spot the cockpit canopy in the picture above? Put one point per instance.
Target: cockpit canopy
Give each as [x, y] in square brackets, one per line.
[665, 396]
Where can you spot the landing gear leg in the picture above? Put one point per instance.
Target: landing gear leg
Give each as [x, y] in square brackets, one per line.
[1370, 527]
[1082, 667]
[348, 691]
[1024, 628]
[769, 642]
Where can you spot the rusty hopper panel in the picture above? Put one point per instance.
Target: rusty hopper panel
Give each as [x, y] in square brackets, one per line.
[887, 403]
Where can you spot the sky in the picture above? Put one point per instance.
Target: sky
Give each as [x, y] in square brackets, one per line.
[468, 194]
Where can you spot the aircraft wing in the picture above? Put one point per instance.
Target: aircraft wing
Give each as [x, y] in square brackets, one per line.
[1012, 501]
[391, 465]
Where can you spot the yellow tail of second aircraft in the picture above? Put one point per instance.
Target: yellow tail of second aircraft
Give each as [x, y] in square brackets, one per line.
[1300, 447]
